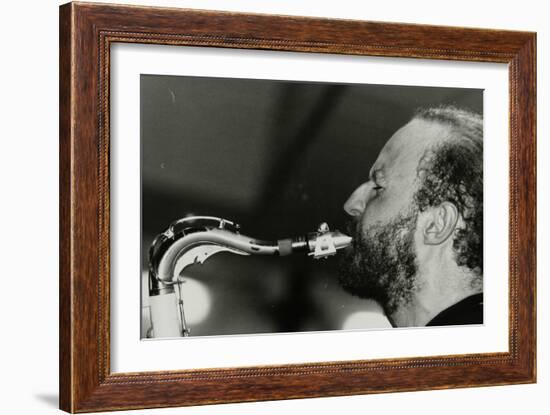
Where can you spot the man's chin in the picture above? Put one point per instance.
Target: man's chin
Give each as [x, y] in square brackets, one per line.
[355, 280]
[380, 264]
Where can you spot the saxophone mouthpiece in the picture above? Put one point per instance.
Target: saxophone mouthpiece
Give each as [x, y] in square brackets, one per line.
[320, 244]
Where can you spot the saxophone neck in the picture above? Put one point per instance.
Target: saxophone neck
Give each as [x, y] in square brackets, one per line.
[194, 239]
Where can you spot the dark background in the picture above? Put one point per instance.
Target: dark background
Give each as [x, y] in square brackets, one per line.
[277, 157]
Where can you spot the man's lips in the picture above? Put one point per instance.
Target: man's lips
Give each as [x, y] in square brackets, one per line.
[352, 228]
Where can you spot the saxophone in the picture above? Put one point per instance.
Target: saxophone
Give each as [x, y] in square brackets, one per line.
[194, 239]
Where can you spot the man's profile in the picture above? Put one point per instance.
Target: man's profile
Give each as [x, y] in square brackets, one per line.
[417, 223]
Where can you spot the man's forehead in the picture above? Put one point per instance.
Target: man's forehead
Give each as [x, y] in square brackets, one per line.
[409, 143]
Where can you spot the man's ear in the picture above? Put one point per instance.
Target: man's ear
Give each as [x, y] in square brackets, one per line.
[440, 223]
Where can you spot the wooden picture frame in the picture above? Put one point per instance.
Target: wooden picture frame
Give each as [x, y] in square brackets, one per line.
[86, 33]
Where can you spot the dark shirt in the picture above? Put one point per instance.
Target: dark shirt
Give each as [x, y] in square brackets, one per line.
[467, 311]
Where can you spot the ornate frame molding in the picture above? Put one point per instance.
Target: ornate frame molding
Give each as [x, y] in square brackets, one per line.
[86, 33]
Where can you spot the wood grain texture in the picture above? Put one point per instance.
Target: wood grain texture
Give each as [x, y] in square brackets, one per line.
[86, 33]
[65, 247]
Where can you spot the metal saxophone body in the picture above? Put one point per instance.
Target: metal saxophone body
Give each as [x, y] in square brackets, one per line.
[194, 239]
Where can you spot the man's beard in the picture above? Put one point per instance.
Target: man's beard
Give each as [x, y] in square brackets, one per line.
[381, 263]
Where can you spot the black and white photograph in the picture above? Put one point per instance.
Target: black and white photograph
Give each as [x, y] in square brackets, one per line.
[276, 206]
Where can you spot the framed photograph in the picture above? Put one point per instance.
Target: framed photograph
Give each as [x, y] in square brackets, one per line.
[258, 207]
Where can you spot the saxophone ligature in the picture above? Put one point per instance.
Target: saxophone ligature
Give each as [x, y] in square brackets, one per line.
[194, 239]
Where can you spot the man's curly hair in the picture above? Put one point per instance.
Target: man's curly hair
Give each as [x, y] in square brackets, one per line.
[453, 171]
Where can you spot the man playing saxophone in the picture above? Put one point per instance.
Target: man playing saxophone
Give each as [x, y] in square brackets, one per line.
[417, 223]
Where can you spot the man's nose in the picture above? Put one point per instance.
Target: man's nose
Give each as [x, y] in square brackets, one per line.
[356, 203]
